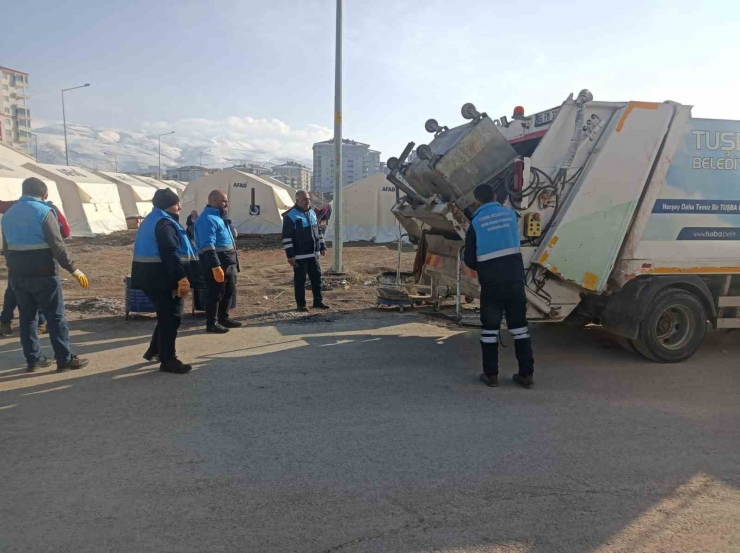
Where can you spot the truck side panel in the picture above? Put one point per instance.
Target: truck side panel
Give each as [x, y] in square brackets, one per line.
[583, 246]
[693, 217]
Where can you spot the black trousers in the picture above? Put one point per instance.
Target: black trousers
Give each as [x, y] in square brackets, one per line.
[220, 295]
[169, 316]
[497, 300]
[312, 268]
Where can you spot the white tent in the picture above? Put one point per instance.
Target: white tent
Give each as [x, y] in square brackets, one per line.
[272, 180]
[367, 211]
[11, 180]
[136, 197]
[13, 156]
[176, 187]
[92, 204]
[255, 205]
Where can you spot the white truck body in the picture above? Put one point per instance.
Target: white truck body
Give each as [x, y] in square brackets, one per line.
[648, 199]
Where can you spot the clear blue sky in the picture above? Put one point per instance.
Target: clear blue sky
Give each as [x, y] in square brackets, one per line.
[153, 63]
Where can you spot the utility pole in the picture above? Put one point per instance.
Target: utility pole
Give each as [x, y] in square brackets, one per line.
[338, 211]
[159, 142]
[64, 117]
[36, 150]
[115, 159]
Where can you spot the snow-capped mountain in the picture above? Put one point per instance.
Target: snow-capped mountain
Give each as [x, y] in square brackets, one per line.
[137, 152]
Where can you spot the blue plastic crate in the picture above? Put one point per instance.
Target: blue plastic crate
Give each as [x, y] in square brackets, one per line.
[137, 301]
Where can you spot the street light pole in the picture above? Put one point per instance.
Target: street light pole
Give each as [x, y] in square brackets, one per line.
[115, 159]
[338, 211]
[159, 140]
[36, 149]
[64, 118]
[201, 157]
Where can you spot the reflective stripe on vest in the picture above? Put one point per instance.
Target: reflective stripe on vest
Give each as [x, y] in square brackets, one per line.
[496, 231]
[23, 225]
[146, 249]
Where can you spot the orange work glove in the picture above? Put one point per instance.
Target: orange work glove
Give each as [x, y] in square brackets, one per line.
[218, 274]
[183, 287]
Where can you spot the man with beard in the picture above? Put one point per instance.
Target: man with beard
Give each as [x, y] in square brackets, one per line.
[219, 262]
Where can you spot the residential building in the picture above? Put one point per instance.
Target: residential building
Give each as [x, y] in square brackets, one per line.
[295, 175]
[15, 115]
[358, 162]
[252, 168]
[188, 173]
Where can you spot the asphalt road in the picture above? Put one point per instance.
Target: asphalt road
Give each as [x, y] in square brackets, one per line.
[368, 434]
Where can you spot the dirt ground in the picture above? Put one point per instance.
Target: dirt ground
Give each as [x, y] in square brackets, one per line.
[265, 284]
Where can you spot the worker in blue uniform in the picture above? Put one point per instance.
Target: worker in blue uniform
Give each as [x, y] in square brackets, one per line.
[34, 249]
[219, 262]
[304, 242]
[492, 249]
[165, 266]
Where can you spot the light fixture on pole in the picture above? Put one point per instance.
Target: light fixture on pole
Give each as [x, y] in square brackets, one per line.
[201, 157]
[64, 117]
[36, 149]
[159, 140]
[115, 159]
[338, 215]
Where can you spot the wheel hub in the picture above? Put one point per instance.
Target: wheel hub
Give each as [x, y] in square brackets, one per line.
[674, 327]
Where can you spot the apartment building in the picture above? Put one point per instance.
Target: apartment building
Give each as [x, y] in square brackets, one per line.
[295, 175]
[188, 173]
[15, 115]
[358, 162]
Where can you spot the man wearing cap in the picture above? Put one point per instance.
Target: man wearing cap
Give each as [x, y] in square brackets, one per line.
[219, 262]
[492, 249]
[164, 266]
[34, 249]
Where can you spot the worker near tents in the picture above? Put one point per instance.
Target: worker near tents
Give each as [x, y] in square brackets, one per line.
[9, 301]
[492, 249]
[304, 242]
[164, 266]
[219, 262]
[34, 248]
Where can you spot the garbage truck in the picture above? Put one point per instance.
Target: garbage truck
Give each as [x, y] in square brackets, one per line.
[629, 214]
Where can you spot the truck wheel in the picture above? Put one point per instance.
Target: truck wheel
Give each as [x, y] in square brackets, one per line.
[673, 327]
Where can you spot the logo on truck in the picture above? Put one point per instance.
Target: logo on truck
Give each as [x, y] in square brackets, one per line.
[727, 142]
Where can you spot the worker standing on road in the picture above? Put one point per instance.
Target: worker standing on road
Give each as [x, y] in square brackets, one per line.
[34, 249]
[9, 301]
[219, 261]
[304, 242]
[164, 265]
[492, 249]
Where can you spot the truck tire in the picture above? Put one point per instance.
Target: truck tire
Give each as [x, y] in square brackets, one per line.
[673, 328]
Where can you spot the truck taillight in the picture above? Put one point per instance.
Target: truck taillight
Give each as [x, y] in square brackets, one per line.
[518, 175]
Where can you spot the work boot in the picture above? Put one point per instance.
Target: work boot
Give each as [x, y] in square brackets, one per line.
[490, 381]
[524, 381]
[175, 366]
[151, 356]
[43, 363]
[216, 328]
[320, 305]
[73, 364]
[43, 328]
[228, 323]
[301, 308]
[6, 329]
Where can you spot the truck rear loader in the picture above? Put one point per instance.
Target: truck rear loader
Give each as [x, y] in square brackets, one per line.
[629, 214]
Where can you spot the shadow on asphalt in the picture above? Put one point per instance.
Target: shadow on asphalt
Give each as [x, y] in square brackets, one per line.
[361, 435]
